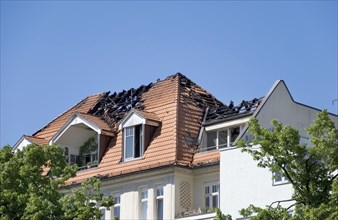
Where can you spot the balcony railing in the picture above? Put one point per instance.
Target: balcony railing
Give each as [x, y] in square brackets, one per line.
[204, 213]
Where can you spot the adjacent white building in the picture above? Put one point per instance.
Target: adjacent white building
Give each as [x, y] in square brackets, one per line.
[242, 182]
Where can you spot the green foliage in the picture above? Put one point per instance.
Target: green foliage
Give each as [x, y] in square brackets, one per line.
[310, 169]
[221, 216]
[84, 202]
[269, 213]
[30, 183]
[87, 148]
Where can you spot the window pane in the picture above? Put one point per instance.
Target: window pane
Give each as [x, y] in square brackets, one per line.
[215, 201]
[117, 200]
[144, 195]
[222, 137]
[159, 209]
[234, 134]
[72, 159]
[144, 208]
[159, 192]
[211, 139]
[278, 176]
[215, 188]
[117, 212]
[103, 213]
[138, 140]
[206, 191]
[129, 147]
[207, 202]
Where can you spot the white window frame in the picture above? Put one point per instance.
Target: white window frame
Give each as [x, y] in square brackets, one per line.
[144, 200]
[141, 144]
[116, 205]
[229, 143]
[278, 179]
[211, 194]
[103, 210]
[157, 198]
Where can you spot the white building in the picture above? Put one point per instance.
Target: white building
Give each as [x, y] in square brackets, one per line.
[156, 148]
[242, 182]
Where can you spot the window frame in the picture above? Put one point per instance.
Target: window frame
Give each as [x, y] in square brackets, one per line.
[116, 205]
[140, 138]
[158, 198]
[277, 175]
[211, 194]
[229, 141]
[103, 211]
[142, 202]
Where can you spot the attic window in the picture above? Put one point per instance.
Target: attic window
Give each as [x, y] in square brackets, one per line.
[133, 142]
[138, 128]
[223, 137]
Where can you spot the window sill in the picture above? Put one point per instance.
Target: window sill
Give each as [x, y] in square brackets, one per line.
[89, 167]
[280, 183]
[132, 159]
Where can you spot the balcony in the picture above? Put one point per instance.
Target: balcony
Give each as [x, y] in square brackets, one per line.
[197, 214]
[84, 139]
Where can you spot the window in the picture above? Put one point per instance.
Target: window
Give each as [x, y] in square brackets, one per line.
[133, 142]
[216, 139]
[103, 213]
[74, 159]
[211, 195]
[144, 204]
[159, 203]
[66, 154]
[117, 206]
[279, 179]
[221, 138]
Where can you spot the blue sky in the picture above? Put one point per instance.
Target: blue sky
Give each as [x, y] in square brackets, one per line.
[55, 53]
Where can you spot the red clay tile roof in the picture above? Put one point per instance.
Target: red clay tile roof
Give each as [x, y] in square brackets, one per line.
[148, 115]
[83, 106]
[97, 121]
[36, 140]
[177, 102]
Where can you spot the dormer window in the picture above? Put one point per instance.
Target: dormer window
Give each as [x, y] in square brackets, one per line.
[221, 135]
[222, 138]
[216, 139]
[133, 142]
[137, 128]
[84, 138]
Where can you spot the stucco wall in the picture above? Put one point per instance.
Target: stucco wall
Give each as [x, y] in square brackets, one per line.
[243, 183]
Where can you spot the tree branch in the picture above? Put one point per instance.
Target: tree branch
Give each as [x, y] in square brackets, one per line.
[280, 201]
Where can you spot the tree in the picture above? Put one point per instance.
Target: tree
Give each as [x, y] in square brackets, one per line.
[312, 170]
[31, 184]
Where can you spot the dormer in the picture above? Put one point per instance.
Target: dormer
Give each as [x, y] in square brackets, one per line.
[223, 134]
[84, 138]
[137, 128]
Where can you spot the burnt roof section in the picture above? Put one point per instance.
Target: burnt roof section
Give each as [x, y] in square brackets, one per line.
[224, 113]
[194, 93]
[112, 108]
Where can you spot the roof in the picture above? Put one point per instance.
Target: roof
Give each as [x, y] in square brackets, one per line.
[148, 115]
[177, 102]
[36, 140]
[48, 131]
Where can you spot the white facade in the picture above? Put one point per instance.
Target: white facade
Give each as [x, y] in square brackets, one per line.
[242, 182]
[183, 190]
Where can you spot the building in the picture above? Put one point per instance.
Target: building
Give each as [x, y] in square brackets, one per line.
[241, 179]
[165, 150]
